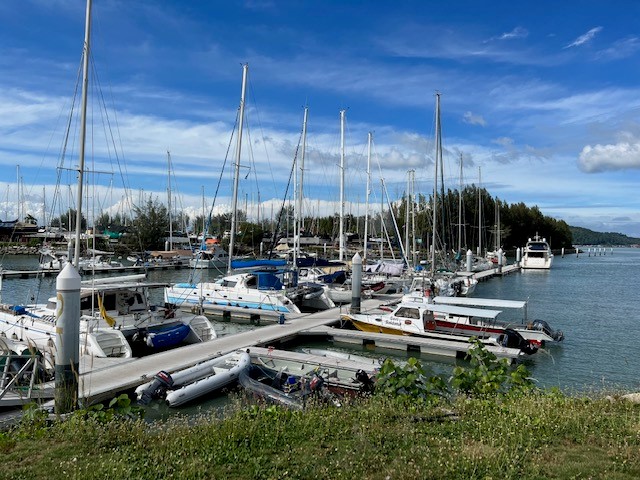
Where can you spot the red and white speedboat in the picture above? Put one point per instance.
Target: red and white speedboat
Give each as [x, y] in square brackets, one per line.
[538, 331]
[418, 315]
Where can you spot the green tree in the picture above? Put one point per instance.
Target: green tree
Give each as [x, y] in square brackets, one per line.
[67, 221]
[150, 224]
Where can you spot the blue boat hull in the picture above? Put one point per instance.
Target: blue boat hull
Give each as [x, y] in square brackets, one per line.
[165, 337]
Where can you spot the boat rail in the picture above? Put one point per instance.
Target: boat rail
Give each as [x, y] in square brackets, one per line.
[10, 381]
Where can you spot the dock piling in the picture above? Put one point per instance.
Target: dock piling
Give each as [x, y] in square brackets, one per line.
[356, 283]
[67, 339]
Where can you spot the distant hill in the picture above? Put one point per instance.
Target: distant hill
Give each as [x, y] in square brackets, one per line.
[584, 236]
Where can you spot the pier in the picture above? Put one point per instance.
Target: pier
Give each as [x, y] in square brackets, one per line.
[103, 271]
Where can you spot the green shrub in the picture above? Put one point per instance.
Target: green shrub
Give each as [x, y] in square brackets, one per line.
[409, 380]
[488, 375]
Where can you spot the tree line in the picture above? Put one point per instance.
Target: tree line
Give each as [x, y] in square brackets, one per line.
[470, 220]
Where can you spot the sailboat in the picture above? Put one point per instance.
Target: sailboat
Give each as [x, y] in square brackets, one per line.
[441, 281]
[261, 292]
[115, 313]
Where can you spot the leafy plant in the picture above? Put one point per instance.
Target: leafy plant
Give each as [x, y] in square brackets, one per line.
[119, 407]
[409, 380]
[488, 375]
[34, 420]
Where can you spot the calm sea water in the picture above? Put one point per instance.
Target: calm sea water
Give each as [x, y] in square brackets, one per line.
[593, 299]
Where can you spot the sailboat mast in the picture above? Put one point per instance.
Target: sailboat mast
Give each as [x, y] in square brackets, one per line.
[479, 212]
[381, 218]
[204, 222]
[83, 129]
[435, 187]
[298, 223]
[460, 210]
[366, 208]
[341, 230]
[234, 205]
[169, 200]
[406, 216]
[414, 250]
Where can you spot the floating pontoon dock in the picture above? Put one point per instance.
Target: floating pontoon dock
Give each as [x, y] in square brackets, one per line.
[430, 346]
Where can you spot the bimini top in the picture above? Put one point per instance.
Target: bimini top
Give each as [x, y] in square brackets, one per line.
[480, 302]
[454, 310]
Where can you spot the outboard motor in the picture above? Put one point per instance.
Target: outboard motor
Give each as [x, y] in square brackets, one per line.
[162, 381]
[543, 326]
[316, 384]
[367, 384]
[513, 339]
[140, 336]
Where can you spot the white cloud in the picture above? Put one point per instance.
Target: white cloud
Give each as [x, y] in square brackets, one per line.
[623, 48]
[600, 158]
[517, 32]
[504, 141]
[582, 39]
[473, 119]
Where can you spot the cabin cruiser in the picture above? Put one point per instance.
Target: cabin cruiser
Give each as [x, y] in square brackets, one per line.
[212, 257]
[537, 254]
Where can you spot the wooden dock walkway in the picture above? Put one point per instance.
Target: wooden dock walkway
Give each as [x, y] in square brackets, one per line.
[102, 383]
[113, 270]
[428, 346]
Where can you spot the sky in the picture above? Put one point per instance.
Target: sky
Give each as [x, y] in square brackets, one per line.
[539, 99]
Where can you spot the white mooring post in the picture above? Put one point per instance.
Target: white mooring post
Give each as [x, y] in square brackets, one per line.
[500, 260]
[469, 260]
[67, 339]
[356, 283]
[518, 256]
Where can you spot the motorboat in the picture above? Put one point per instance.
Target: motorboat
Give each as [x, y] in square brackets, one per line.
[537, 254]
[340, 375]
[186, 385]
[257, 291]
[538, 331]
[417, 315]
[265, 291]
[213, 257]
[98, 263]
[52, 261]
[447, 285]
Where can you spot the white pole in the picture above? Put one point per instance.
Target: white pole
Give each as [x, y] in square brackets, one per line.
[356, 283]
[234, 206]
[83, 128]
[341, 229]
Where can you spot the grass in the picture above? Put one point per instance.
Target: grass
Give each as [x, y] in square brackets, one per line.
[536, 435]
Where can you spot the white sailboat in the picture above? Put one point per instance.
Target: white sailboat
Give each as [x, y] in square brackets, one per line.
[115, 311]
[259, 293]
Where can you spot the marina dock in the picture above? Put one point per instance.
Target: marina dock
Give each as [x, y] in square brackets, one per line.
[103, 378]
[429, 346]
[113, 270]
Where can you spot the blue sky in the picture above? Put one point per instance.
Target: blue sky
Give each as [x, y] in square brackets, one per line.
[542, 98]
